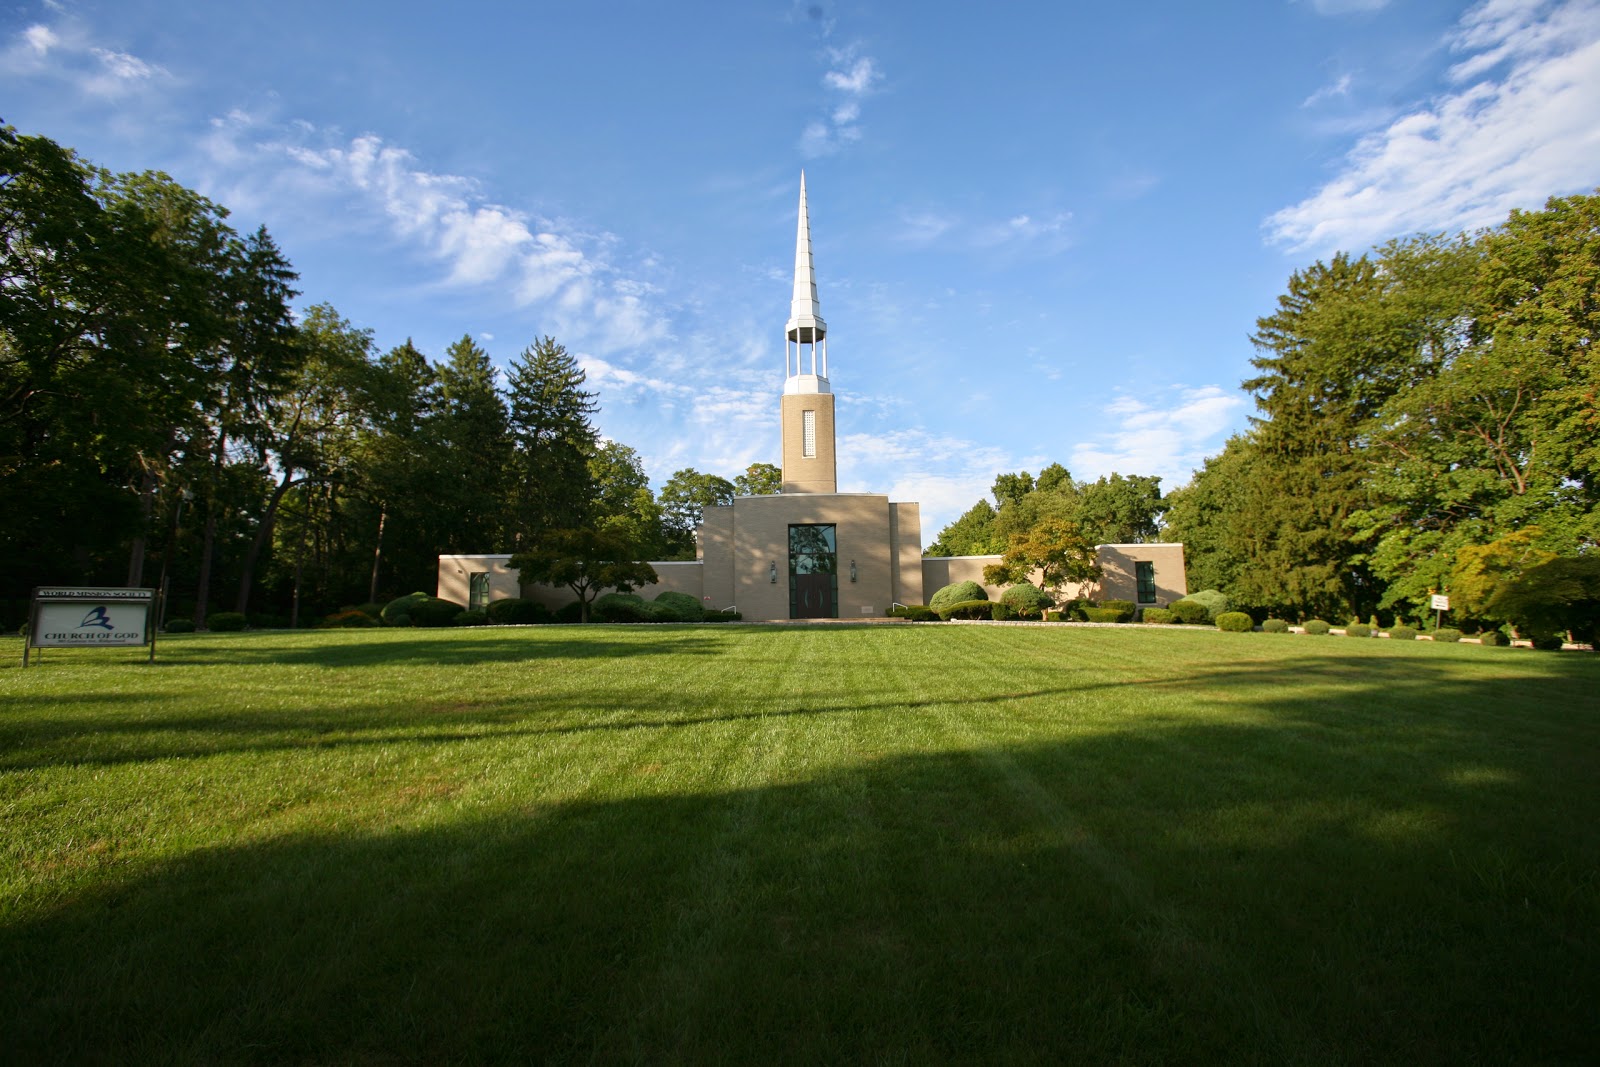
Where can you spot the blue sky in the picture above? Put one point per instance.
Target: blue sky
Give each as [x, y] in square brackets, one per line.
[1043, 233]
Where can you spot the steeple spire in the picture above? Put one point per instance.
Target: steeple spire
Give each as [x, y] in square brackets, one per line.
[805, 325]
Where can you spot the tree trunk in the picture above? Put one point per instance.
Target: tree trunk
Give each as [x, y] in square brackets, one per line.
[136, 554]
[202, 594]
[247, 574]
[377, 554]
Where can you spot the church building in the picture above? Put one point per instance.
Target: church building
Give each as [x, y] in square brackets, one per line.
[810, 551]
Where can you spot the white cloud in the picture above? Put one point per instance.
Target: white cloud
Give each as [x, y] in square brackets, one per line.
[1522, 124]
[852, 76]
[1169, 438]
[1338, 89]
[65, 52]
[946, 475]
[1048, 231]
[862, 72]
[40, 39]
[537, 262]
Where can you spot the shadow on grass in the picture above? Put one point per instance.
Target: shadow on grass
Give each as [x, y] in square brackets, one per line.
[1308, 888]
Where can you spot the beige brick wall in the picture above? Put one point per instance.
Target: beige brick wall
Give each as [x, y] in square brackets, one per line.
[1118, 580]
[905, 530]
[455, 572]
[819, 474]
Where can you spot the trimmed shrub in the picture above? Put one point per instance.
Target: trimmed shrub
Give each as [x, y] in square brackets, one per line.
[1402, 633]
[1491, 638]
[571, 611]
[679, 607]
[1104, 615]
[374, 610]
[914, 612]
[1317, 626]
[174, 626]
[621, 607]
[1446, 635]
[433, 612]
[225, 622]
[515, 611]
[1274, 626]
[968, 609]
[470, 617]
[1358, 629]
[399, 606]
[957, 593]
[401, 620]
[1216, 602]
[1159, 615]
[1189, 611]
[1001, 612]
[1127, 607]
[1026, 601]
[1546, 642]
[347, 620]
[1072, 610]
[1235, 622]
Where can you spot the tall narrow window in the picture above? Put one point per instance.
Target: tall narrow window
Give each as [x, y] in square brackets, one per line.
[808, 434]
[1145, 572]
[478, 590]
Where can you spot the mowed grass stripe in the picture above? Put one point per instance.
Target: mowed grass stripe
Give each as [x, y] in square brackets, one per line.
[898, 843]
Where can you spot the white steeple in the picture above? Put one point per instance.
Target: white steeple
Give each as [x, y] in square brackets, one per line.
[805, 326]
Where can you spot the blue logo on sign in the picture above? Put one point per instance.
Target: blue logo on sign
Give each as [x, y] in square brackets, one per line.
[97, 617]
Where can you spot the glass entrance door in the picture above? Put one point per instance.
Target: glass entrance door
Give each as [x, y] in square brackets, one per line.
[813, 572]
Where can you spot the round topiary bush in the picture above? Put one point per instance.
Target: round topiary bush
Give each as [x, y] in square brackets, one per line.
[957, 593]
[1358, 629]
[679, 607]
[968, 609]
[1546, 642]
[572, 611]
[1026, 601]
[180, 626]
[470, 617]
[1216, 602]
[620, 607]
[1235, 622]
[1275, 626]
[432, 612]
[1001, 612]
[390, 615]
[1402, 633]
[225, 622]
[1190, 611]
[1491, 638]
[1446, 635]
[1317, 626]
[1159, 616]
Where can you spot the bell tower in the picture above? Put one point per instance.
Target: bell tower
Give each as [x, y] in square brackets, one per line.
[809, 464]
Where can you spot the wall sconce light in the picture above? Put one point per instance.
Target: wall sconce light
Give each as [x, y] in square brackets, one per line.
[772, 572]
[852, 570]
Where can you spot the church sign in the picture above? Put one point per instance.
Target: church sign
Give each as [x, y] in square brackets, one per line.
[91, 618]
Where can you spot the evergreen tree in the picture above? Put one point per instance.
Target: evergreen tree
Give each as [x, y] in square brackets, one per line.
[472, 426]
[553, 439]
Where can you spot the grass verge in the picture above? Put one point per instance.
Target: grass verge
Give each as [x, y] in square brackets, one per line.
[897, 843]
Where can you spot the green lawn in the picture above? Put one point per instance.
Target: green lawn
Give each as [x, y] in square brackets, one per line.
[894, 843]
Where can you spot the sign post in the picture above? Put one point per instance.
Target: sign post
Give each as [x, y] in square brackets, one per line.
[1440, 604]
[91, 618]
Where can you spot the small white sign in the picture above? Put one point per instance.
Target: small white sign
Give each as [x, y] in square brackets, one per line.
[89, 625]
[1439, 602]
